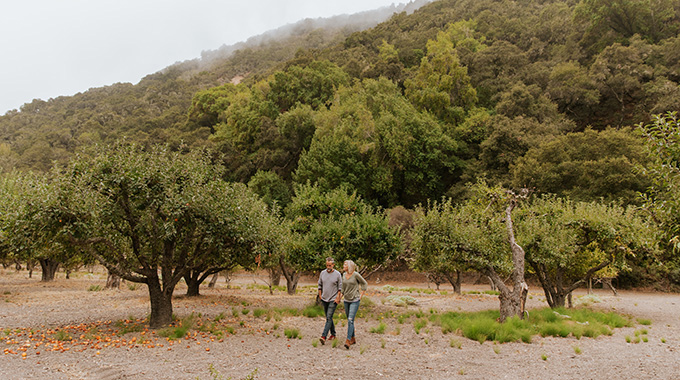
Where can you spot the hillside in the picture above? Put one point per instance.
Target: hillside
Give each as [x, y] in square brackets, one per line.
[154, 110]
[522, 93]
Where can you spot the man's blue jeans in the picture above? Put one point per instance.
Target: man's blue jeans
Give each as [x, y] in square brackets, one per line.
[351, 309]
[329, 309]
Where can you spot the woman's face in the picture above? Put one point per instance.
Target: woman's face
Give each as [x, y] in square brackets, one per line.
[344, 267]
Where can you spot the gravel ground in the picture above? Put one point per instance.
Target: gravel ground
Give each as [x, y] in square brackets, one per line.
[259, 348]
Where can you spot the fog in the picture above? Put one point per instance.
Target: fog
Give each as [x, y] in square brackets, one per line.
[53, 48]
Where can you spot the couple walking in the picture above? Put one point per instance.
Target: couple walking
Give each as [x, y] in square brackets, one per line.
[332, 287]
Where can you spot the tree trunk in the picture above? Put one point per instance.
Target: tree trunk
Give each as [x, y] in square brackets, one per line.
[49, 269]
[213, 280]
[511, 304]
[553, 283]
[292, 277]
[193, 284]
[292, 283]
[511, 301]
[436, 278]
[455, 283]
[112, 281]
[161, 304]
[274, 276]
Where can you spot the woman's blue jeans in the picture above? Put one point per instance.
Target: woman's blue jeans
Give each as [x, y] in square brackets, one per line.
[329, 309]
[351, 309]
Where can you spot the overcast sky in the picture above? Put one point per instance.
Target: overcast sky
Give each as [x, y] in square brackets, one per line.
[50, 48]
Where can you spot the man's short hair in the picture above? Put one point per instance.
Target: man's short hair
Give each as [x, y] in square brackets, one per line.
[330, 260]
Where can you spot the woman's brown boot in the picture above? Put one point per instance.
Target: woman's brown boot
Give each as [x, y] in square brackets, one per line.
[353, 341]
[347, 343]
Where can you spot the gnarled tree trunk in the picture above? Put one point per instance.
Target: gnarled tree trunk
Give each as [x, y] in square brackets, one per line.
[195, 277]
[292, 277]
[454, 282]
[49, 269]
[511, 301]
[553, 283]
[213, 280]
[161, 304]
[112, 281]
[274, 276]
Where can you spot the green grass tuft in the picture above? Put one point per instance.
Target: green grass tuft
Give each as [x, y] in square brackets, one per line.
[292, 333]
[380, 329]
[482, 326]
[313, 311]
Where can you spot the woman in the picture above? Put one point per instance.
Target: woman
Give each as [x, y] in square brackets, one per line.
[353, 288]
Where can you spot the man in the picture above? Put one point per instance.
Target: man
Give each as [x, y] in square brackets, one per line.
[330, 285]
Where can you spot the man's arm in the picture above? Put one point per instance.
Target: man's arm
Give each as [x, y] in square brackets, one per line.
[339, 296]
[320, 285]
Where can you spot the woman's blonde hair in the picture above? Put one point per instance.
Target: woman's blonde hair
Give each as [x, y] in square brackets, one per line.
[350, 266]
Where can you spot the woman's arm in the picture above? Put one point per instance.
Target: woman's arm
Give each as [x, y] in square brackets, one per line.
[362, 282]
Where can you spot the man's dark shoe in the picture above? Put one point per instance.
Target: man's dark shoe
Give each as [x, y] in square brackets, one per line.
[322, 340]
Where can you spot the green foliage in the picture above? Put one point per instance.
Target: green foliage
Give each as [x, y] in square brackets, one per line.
[586, 166]
[402, 113]
[313, 85]
[662, 138]
[568, 242]
[441, 85]
[340, 225]
[621, 19]
[373, 140]
[509, 140]
[140, 211]
[459, 237]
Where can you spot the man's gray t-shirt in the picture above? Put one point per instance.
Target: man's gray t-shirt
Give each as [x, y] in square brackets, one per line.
[329, 284]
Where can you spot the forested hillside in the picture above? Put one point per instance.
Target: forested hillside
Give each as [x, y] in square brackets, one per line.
[531, 93]
[154, 110]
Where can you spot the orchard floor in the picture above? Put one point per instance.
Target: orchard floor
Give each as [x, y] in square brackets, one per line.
[259, 348]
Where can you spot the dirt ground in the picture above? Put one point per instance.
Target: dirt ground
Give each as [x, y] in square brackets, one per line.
[259, 348]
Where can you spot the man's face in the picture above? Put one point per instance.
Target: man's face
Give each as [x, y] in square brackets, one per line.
[329, 266]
